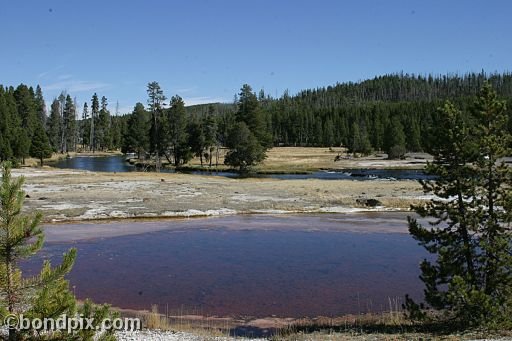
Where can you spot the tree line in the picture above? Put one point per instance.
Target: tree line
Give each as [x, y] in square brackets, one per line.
[391, 113]
[176, 134]
[27, 129]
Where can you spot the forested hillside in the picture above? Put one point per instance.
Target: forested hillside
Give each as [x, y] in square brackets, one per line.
[375, 114]
[393, 113]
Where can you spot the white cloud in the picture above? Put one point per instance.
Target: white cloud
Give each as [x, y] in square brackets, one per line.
[64, 77]
[202, 100]
[184, 90]
[72, 86]
[46, 73]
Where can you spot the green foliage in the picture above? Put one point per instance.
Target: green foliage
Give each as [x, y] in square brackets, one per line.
[136, 137]
[102, 127]
[250, 113]
[54, 125]
[158, 125]
[395, 139]
[196, 139]
[470, 280]
[245, 149]
[40, 147]
[177, 134]
[95, 111]
[359, 143]
[20, 238]
[47, 294]
[68, 133]
[98, 313]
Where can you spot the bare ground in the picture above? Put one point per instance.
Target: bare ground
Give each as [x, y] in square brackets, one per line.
[64, 195]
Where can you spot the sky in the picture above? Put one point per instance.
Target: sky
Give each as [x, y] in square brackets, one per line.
[205, 51]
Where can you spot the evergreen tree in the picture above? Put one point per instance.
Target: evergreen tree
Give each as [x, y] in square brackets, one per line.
[68, 125]
[20, 238]
[177, 131]
[470, 279]
[40, 106]
[319, 133]
[85, 127]
[196, 139]
[328, 133]
[26, 108]
[395, 139]
[210, 132]
[102, 127]
[136, 137]
[245, 149]
[6, 126]
[95, 109]
[360, 143]
[157, 129]
[413, 135]
[250, 113]
[40, 147]
[54, 125]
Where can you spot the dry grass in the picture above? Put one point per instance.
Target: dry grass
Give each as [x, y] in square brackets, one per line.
[309, 159]
[206, 328]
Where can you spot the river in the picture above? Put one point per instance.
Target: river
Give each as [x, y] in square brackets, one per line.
[118, 164]
[257, 265]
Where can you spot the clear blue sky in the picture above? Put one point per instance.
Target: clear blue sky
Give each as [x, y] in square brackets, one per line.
[205, 50]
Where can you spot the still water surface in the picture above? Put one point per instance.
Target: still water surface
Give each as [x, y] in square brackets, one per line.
[118, 164]
[289, 266]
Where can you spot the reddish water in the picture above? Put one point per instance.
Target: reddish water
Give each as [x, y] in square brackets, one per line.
[253, 266]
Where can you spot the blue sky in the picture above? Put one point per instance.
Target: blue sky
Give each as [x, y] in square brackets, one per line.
[205, 50]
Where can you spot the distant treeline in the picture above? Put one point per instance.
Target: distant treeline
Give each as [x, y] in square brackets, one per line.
[372, 115]
[393, 113]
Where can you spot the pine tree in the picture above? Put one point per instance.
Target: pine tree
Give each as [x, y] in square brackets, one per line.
[95, 108]
[196, 139]
[40, 147]
[26, 110]
[20, 238]
[177, 131]
[136, 137]
[360, 143]
[210, 132]
[245, 149]
[68, 125]
[102, 127]
[470, 279]
[395, 139]
[250, 113]
[40, 106]
[6, 127]
[85, 127]
[157, 134]
[54, 125]
[328, 138]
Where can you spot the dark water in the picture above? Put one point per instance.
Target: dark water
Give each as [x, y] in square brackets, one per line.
[252, 266]
[118, 164]
[97, 163]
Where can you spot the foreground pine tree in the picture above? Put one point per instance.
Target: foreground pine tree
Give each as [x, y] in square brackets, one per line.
[469, 278]
[46, 295]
